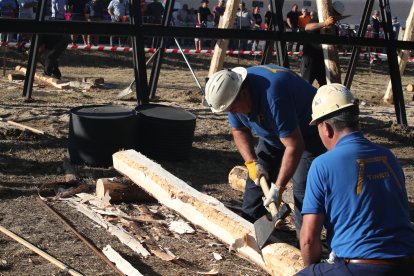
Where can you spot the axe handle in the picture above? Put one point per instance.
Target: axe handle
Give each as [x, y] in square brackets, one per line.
[265, 188]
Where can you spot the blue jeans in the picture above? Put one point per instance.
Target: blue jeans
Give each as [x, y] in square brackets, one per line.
[271, 157]
[340, 268]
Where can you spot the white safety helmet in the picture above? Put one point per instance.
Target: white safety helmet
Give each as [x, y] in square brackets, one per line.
[331, 98]
[339, 7]
[223, 87]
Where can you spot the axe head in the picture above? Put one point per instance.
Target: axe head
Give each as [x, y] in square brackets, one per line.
[265, 226]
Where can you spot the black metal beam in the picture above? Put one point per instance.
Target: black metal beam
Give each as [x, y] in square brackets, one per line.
[156, 67]
[356, 50]
[138, 55]
[160, 31]
[70, 27]
[393, 67]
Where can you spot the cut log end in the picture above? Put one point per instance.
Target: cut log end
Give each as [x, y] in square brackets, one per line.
[410, 88]
[120, 191]
[237, 178]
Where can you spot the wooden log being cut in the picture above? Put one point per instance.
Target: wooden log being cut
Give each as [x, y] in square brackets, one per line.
[278, 258]
[237, 178]
[46, 79]
[404, 54]
[330, 52]
[120, 191]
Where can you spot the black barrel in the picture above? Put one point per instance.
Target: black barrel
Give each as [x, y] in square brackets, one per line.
[165, 132]
[98, 131]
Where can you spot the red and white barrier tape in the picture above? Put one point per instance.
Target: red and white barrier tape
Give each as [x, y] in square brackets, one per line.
[186, 51]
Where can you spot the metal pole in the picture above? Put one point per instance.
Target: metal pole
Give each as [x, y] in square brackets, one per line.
[393, 65]
[33, 53]
[156, 68]
[356, 50]
[189, 66]
[138, 55]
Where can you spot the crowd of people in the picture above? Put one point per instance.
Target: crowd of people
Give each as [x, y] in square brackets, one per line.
[247, 18]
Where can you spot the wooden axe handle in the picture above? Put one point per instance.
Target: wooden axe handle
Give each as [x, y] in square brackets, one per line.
[265, 188]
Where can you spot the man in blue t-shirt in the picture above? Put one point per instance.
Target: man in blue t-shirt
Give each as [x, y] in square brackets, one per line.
[274, 104]
[356, 191]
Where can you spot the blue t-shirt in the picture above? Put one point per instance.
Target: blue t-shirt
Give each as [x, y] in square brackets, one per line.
[282, 101]
[360, 187]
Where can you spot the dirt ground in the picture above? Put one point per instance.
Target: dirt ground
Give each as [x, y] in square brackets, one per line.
[27, 161]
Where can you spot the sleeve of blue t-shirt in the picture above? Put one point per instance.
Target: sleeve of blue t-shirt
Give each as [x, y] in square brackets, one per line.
[314, 200]
[282, 106]
[234, 121]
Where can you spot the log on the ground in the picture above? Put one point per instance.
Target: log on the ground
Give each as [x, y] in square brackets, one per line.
[404, 54]
[330, 52]
[409, 88]
[279, 258]
[14, 77]
[122, 264]
[46, 79]
[237, 178]
[120, 191]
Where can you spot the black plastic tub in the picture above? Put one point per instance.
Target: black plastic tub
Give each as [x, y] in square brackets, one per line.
[165, 132]
[98, 131]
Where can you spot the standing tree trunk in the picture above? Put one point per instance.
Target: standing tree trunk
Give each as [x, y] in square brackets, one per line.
[404, 55]
[330, 52]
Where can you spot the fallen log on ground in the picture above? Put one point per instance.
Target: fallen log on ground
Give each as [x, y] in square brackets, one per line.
[23, 127]
[120, 191]
[207, 212]
[46, 79]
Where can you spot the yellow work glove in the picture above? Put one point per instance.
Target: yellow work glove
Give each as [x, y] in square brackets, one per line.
[329, 21]
[275, 195]
[255, 171]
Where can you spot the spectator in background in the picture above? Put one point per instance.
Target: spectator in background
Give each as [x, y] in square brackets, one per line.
[155, 11]
[375, 22]
[244, 21]
[185, 17]
[25, 12]
[218, 12]
[268, 17]
[313, 62]
[202, 20]
[58, 9]
[77, 10]
[94, 12]
[395, 27]
[303, 19]
[257, 25]
[292, 20]
[118, 10]
[8, 9]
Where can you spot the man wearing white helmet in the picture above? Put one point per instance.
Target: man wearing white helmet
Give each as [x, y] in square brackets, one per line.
[312, 65]
[275, 104]
[357, 191]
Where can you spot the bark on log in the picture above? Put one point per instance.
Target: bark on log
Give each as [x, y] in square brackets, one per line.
[226, 22]
[330, 52]
[404, 55]
[120, 192]
[207, 212]
[49, 80]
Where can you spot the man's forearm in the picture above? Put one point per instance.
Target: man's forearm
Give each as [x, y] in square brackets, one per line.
[311, 252]
[243, 140]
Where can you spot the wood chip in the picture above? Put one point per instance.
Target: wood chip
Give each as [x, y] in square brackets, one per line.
[120, 262]
[217, 256]
[181, 227]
